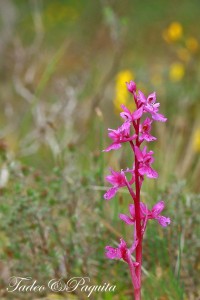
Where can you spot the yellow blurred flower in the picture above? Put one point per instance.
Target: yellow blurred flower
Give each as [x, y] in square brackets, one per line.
[192, 44]
[196, 140]
[176, 71]
[184, 54]
[173, 33]
[122, 96]
[123, 77]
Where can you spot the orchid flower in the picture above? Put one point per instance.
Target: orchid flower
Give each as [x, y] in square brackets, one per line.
[119, 136]
[118, 180]
[131, 220]
[121, 252]
[145, 129]
[145, 213]
[149, 105]
[131, 117]
[155, 214]
[145, 160]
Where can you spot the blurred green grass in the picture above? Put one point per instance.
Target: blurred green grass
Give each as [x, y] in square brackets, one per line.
[60, 69]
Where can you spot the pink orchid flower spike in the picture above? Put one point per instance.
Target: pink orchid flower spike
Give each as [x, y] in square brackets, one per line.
[139, 214]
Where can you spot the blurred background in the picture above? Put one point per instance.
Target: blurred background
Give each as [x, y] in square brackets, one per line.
[63, 68]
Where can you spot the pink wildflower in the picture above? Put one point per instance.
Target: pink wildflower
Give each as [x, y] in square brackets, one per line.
[121, 252]
[145, 129]
[149, 105]
[139, 214]
[145, 160]
[118, 180]
[131, 220]
[146, 214]
[119, 136]
[130, 117]
[117, 253]
[155, 213]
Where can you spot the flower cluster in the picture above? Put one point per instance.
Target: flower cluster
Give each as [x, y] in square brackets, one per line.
[135, 130]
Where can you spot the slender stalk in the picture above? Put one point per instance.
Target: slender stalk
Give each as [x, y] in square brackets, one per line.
[137, 217]
[138, 221]
[133, 274]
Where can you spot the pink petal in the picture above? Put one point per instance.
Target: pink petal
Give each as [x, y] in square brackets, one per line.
[125, 109]
[163, 221]
[149, 108]
[148, 171]
[147, 137]
[110, 193]
[125, 127]
[126, 114]
[113, 134]
[113, 172]
[152, 173]
[147, 121]
[143, 170]
[113, 253]
[111, 179]
[146, 125]
[151, 98]
[150, 138]
[159, 117]
[113, 146]
[158, 208]
[133, 137]
[126, 219]
[155, 106]
[138, 113]
[131, 86]
[141, 97]
[144, 151]
[122, 245]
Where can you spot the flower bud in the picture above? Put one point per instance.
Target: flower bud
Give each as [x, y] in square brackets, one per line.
[131, 86]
